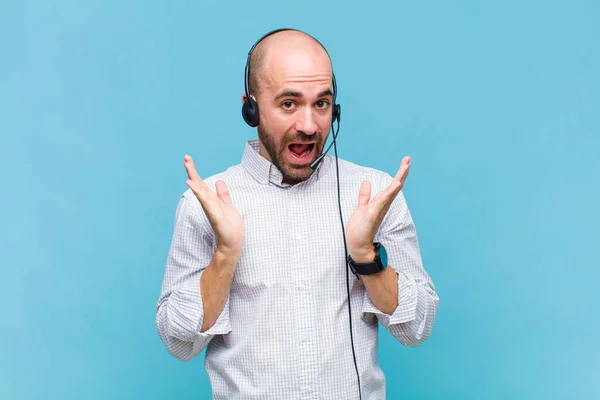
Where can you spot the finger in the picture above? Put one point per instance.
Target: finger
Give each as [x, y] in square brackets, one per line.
[364, 194]
[209, 202]
[397, 183]
[198, 191]
[223, 192]
[190, 167]
[403, 171]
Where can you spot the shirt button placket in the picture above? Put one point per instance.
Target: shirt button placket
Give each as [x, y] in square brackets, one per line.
[300, 268]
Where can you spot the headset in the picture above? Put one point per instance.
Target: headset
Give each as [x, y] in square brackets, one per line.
[250, 108]
[250, 115]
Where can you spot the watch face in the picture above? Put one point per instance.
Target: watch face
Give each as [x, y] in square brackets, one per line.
[383, 256]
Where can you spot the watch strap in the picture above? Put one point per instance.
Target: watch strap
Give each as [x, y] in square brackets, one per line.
[364, 269]
[372, 267]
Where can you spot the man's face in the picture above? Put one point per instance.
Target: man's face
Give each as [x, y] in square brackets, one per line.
[295, 105]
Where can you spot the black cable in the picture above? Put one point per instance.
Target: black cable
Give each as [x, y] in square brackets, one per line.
[346, 255]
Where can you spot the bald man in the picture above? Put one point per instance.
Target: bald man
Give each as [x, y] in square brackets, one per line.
[257, 273]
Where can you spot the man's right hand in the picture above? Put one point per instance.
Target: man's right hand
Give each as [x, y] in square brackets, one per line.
[220, 211]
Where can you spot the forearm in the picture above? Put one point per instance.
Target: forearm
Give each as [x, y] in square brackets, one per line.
[382, 289]
[402, 297]
[215, 285]
[411, 321]
[419, 314]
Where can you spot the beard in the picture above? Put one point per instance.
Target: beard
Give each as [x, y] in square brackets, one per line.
[292, 173]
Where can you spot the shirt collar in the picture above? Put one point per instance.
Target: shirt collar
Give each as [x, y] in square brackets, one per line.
[264, 171]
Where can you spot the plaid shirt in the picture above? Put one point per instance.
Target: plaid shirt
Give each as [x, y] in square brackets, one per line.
[284, 332]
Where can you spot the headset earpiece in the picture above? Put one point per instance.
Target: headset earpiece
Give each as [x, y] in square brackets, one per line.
[337, 111]
[250, 112]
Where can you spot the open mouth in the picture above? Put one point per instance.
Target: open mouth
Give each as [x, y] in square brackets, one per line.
[301, 151]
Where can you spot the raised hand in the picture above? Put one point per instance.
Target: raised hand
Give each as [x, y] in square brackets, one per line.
[221, 213]
[364, 222]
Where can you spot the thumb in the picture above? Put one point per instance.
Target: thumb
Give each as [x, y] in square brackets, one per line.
[223, 192]
[364, 194]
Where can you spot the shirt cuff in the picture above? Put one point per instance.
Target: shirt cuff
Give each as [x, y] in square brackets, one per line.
[188, 314]
[406, 310]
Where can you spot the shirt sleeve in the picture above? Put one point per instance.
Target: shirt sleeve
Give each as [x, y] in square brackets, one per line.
[180, 310]
[412, 321]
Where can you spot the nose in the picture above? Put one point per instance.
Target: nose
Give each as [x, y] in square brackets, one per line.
[306, 121]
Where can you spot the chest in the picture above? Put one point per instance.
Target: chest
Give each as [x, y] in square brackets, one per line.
[293, 237]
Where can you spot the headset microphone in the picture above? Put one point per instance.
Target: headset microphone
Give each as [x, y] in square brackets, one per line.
[315, 163]
[318, 160]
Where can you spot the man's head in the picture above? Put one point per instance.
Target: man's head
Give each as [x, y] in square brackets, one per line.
[291, 81]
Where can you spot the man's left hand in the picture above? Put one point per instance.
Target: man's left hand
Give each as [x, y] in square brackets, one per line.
[364, 222]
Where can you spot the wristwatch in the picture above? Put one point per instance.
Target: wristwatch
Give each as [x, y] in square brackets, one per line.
[373, 267]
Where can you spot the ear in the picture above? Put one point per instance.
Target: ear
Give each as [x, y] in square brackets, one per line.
[244, 98]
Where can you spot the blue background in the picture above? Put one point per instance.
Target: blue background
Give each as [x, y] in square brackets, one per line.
[497, 103]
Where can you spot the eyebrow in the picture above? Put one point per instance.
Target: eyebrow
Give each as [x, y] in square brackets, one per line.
[293, 93]
[326, 92]
[289, 93]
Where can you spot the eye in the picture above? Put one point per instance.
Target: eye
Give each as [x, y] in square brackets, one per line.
[322, 104]
[288, 105]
